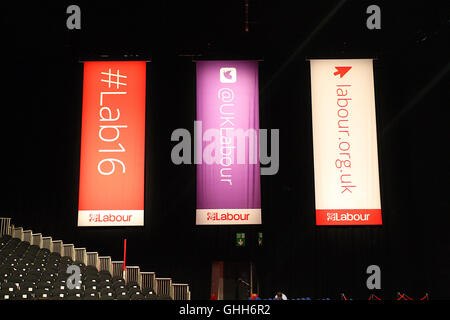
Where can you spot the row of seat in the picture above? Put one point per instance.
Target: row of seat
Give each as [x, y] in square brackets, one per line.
[30, 272]
[42, 294]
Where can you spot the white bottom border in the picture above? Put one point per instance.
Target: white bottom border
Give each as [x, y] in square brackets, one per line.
[109, 218]
[227, 216]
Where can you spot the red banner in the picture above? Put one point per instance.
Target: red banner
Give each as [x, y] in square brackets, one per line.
[111, 190]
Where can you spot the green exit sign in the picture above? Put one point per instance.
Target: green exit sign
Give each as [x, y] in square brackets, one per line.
[240, 239]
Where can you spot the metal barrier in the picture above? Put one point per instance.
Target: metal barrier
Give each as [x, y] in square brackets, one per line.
[181, 291]
[47, 243]
[80, 255]
[18, 233]
[164, 287]
[132, 274]
[57, 247]
[69, 251]
[5, 226]
[36, 239]
[117, 268]
[92, 259]
[148, 280]
[105, 264]
[27, 236]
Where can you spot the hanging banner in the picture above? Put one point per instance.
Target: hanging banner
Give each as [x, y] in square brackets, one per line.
[227, 143]
[111, 191]
[345, 143]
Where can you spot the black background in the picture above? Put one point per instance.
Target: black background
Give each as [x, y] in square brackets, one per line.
[41, 127]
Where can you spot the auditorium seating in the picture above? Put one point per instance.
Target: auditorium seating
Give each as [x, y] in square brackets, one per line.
[35, 267]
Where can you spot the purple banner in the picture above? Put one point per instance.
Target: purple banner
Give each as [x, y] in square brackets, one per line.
[227, 143]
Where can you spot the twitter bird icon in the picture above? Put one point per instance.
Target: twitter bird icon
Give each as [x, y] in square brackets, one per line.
[227, 75]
